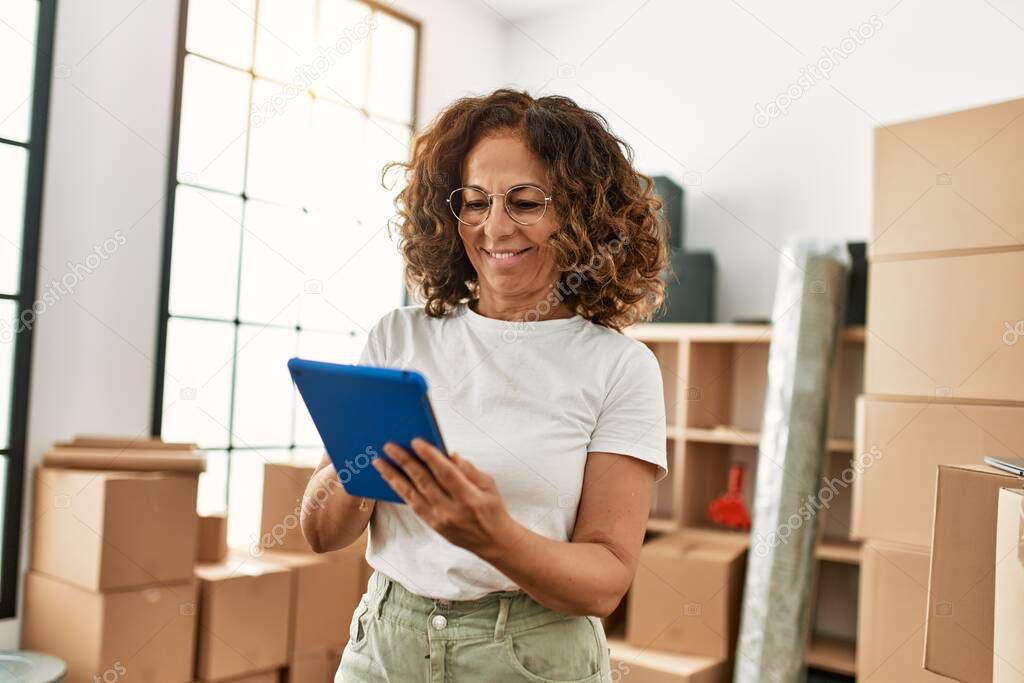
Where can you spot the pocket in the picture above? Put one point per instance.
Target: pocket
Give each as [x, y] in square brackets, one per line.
[563, 651]
[357, 628]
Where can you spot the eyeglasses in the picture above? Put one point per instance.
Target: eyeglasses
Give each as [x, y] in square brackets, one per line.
[525, 204]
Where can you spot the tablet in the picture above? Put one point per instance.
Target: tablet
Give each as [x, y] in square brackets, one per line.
[357, 409]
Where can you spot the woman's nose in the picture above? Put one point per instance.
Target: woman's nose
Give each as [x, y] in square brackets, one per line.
[499, 223]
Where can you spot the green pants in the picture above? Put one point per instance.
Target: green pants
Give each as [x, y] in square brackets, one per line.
[400, 637]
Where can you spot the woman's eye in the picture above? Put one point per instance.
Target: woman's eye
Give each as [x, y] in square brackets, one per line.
[476, 206]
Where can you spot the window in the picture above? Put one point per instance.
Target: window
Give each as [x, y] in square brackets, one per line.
[26, 51]
[277, 242]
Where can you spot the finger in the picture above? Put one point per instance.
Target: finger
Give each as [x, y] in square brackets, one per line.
[469, 470]
[420, 476]
[443, 469]
[398, 482]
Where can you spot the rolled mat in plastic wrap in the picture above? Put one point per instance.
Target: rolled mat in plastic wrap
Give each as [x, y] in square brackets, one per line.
[807, 313]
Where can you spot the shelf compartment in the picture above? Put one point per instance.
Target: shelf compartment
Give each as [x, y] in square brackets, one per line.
[706, 477]
[838, 550]
[667, 353]
[832, 654]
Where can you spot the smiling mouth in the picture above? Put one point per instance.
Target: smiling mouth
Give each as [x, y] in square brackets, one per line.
[505, 254]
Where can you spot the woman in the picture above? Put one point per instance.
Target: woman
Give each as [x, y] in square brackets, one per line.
[532, 241]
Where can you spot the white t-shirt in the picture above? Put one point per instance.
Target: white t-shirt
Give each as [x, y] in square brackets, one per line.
[524, 402]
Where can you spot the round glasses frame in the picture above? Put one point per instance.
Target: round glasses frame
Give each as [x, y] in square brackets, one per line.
[490, 204]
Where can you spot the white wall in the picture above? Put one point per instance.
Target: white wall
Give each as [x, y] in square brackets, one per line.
[680, 82]
[106, 177]
[110, 112]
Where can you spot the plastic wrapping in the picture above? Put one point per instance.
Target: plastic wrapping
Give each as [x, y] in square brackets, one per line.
[809, 301]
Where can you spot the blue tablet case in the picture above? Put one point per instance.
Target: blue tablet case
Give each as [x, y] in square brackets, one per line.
[357, 409]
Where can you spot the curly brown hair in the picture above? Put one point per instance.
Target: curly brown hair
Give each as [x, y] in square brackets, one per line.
[610, 246]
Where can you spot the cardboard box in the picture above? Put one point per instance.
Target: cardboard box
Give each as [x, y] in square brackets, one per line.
[311, 667]
[244, 613]
[126, 442]
[686, 595]
[283, 488]
[641, 665]
[950, 328]
[334, 661]
[114, 530]
[323, 599]
[961, 582]
[902, 443]
[353, 572]
[272, 676]
[147, 632]
[213, 538]
[1008, 625]
[950, 182]
[126, 459]
[892, 608]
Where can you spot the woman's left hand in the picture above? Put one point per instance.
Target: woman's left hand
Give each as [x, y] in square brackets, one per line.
[452, 496]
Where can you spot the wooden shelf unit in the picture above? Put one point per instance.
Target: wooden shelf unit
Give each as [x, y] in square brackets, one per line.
[715, 381]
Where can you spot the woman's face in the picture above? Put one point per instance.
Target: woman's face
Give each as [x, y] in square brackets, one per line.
[511, 260]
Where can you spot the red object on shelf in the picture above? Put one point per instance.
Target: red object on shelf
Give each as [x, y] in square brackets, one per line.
[728, 509]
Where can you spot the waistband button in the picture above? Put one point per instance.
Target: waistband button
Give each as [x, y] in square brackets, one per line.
[439, 622]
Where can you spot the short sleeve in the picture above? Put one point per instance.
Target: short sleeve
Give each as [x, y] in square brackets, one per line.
[632, 417]
[373, 352]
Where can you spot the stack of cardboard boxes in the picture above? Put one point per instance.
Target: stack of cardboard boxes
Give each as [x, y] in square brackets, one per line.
[324, 589]
[275, 610]
[683, 610]
[110, 589]
[943, 374]
[126, 581]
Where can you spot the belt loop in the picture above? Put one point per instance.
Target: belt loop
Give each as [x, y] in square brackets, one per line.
[383, 593]
[499, 624]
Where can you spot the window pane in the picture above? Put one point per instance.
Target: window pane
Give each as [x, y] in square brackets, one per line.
[197, 382]
[213, 485]
[344, 45]
[204, 262]
[309, 457]
[336, 150]
[8, 313]
[284, 39]
[245, 494]
[392, 68]
[278, 143]
[222, 29]
[263, 388]
[17, 55]
[214, 117]
[330, 348]
[368, 278]
[323, 245]
[385, 142]
[13, 175]
[272, 275]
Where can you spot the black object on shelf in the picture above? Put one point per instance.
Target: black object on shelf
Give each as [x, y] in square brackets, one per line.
[857, 287]
[689, 288]
[671, 196]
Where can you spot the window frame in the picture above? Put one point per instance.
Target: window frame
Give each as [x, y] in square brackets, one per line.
[22, 367]
[164, 315]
